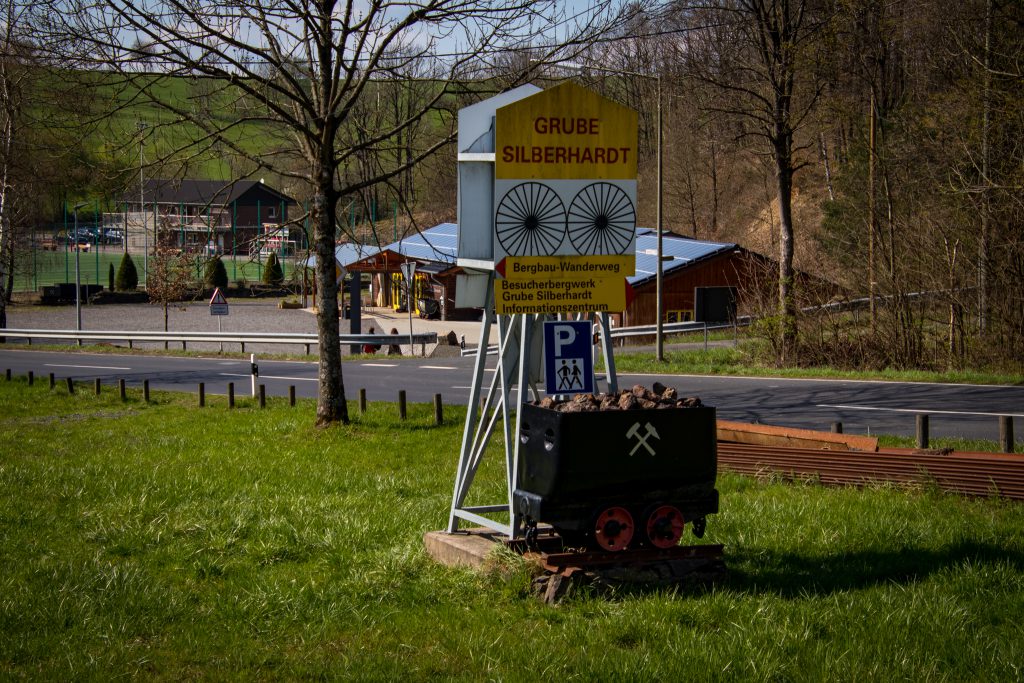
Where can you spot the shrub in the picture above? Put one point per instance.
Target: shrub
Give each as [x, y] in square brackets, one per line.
[273, 274]
[216, 274]
[110, 277]
[127, 276]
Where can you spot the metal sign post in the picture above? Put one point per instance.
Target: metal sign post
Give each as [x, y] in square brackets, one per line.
[219, 308]
[409, 272]
[547, 196]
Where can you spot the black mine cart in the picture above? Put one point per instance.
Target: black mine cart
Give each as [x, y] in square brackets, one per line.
[620, 478]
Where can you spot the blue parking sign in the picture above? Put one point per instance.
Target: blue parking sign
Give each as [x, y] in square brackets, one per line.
[568, 358]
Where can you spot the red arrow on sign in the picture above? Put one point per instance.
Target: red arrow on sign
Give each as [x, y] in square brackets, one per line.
[500, 267]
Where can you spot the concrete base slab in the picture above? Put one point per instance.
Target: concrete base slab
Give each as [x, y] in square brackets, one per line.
[464, 548]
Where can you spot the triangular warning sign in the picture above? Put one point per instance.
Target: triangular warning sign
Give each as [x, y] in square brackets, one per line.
[218, 298]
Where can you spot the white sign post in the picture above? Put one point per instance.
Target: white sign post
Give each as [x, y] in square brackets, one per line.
[219, 307]
[409, 272]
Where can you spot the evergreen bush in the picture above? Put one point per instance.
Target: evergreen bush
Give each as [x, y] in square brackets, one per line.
[273, 274]
[127, 276]
[110, 277]
[216, 274]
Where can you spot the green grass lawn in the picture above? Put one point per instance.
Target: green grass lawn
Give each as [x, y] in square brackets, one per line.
[737, 361]
[166, 541]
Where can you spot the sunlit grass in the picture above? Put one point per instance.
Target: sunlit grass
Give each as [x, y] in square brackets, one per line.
[165, 541]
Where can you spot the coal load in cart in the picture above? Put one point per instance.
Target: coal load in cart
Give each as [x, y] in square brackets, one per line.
[621, 471]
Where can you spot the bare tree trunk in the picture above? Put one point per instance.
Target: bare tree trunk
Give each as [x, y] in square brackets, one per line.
[986, 125]
[787, 301]
[331, 404]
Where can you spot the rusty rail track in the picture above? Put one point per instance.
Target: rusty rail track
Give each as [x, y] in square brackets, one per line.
[967, 473]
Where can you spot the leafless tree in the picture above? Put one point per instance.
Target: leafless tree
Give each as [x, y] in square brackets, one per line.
[761, 55]
[297, 72]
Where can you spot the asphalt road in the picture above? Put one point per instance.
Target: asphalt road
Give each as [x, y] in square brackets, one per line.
[864, 407]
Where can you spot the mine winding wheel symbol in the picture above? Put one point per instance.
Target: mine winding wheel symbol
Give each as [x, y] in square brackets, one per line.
[601, 220]
[530, 220]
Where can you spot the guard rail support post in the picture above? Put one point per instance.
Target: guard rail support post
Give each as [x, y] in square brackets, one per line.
[121, 389]
[53, 380]
[231, 394]
[1006, 444]
[837, 427]
[31, 378]
[130, 344]
[263, 396]
[71, 385]
[184, 345]
[362, 400]
[307, 348]
[438, 410]
[145, 390]
[202, 395]
[401, 404]
[922, 430]
[97, 386]
[291, 395]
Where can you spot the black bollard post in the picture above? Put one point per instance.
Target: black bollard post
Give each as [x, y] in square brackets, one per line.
[71, 385]
[837, 427]
[53, 380]
[362, 400]
[121, 389]
[401, 404]
[96, 386]
[31, 378]
[145, 390]
[202, 395]
[922, 431]
[231, 394]
[438, 410]
[263, 396]
[1006, 444]
[291, 395]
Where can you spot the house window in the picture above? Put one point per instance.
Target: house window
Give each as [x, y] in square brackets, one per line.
[271, 212]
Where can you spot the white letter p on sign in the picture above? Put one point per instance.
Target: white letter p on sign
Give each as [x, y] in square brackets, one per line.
[564, 336]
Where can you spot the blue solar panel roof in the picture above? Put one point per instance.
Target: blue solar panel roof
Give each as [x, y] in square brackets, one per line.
[346, 254]
[684, 251]
[439, 243]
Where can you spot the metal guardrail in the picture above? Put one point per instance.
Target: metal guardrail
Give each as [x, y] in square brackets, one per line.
[647, 330]
[133, 337]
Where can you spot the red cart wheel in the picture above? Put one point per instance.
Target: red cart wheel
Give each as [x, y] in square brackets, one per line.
[665, 526]
[614, 529]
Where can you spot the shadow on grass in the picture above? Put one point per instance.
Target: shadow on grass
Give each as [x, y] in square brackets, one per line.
[796, 574]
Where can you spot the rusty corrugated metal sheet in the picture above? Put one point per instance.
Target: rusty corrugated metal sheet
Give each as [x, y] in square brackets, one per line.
[969, 473]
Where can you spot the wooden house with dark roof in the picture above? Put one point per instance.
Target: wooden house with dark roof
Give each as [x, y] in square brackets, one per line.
[230, 217]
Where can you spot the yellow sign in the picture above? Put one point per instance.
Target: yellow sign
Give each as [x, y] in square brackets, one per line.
[564, 267]
[599, 294]
[566, 132]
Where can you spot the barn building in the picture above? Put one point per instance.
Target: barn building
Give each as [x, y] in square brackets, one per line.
[244, 217]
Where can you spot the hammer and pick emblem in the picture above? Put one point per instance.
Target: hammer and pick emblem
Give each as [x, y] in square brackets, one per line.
[634, 431]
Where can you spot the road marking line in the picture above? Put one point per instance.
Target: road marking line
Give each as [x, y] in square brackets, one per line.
[513, 389]
[834, 380]
[439, 367]
[378, 365]
[919, 411]
[85, 367]
[296, 379]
